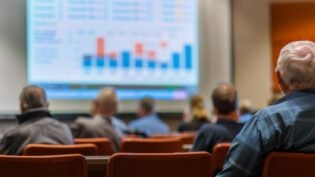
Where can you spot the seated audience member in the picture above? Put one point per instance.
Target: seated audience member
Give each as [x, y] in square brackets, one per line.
[198, 113]
[287, 125]
[148, 122]
[36, 124]
[119, 124]
[246, 111]
[225, 103]
[101, 124]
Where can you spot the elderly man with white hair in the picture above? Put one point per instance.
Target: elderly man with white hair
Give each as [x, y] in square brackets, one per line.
[103, 123]
[289, 125]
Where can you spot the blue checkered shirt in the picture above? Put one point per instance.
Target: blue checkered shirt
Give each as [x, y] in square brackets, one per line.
[288, 125]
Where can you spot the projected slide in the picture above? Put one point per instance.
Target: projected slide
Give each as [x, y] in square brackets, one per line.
[144, 48]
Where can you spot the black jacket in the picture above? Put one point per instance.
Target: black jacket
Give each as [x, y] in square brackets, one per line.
[210, 135]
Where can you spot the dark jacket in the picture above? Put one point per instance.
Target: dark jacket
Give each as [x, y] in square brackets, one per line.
[96, 127]
[193, 125]
[36, 126]
[209, 135]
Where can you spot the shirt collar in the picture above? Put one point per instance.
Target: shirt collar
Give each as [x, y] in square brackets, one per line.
[33, 113]
[226, 121]
[296, 94]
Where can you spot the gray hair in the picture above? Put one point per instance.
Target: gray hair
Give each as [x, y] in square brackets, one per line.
[33, 97]
[296, 65]
[107, 98]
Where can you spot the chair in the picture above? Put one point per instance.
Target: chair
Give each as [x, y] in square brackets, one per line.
[49, 149]
[104, 146]
[151, 145]
[186, 138]
[283, 164]
[192, 164]
[219, 153]
[73, 165]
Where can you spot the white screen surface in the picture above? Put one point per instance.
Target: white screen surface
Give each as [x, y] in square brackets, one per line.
[143, 48]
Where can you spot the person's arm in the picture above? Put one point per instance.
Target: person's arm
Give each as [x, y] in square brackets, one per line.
[246, 154]
[11, 143]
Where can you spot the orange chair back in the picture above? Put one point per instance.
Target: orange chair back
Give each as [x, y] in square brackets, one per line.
[186, 138]
[192, 164]
[219, 153]
[104, 146]
[48, 149]
[151, 145]
[281, 164]
[73, 165]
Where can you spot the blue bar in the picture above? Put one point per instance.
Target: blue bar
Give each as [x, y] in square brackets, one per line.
[152, 64]
[100, 62]
[188, 56]
[139, 63]
[164, 65]
[113, 62]
[126, 59]
[176, 60]
[87, 61]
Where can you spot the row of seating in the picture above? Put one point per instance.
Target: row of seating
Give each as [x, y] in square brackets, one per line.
[102, 146]
[192, 164]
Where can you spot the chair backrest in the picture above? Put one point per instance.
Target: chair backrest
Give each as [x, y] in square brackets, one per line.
[190, 164]
[186, 138]
[219, 154]
[49, 149]
[287, 164]
[73, 165]
[104, 146]
[151, 145]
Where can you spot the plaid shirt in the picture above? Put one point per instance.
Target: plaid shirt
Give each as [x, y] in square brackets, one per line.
[287, 126]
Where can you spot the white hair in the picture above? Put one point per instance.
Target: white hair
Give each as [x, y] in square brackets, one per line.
[296, 65]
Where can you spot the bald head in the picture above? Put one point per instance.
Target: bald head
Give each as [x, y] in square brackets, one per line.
[105, 103]
[33, 97]
[224, 98]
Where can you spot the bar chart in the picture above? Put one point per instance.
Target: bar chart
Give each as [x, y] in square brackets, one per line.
[137, 58]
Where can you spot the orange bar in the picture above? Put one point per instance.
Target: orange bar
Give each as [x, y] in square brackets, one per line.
[139, 49]
[100, 47]
[113, 55]
[151, 55]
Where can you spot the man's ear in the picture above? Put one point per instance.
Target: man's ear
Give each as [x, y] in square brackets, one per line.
[22, 107]
[283, 87]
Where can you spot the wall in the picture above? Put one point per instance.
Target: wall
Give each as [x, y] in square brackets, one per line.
[215, 56]
[252, 49]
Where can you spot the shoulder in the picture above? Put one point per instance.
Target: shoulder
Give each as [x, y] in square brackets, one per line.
[136, 122]
[83, 120]
[212, 128]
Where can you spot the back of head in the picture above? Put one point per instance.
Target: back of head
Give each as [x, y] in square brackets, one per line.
[197, 107]
[296, 65]
[33, 97]
[106, 101]
[224, 98]
[147, 105]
